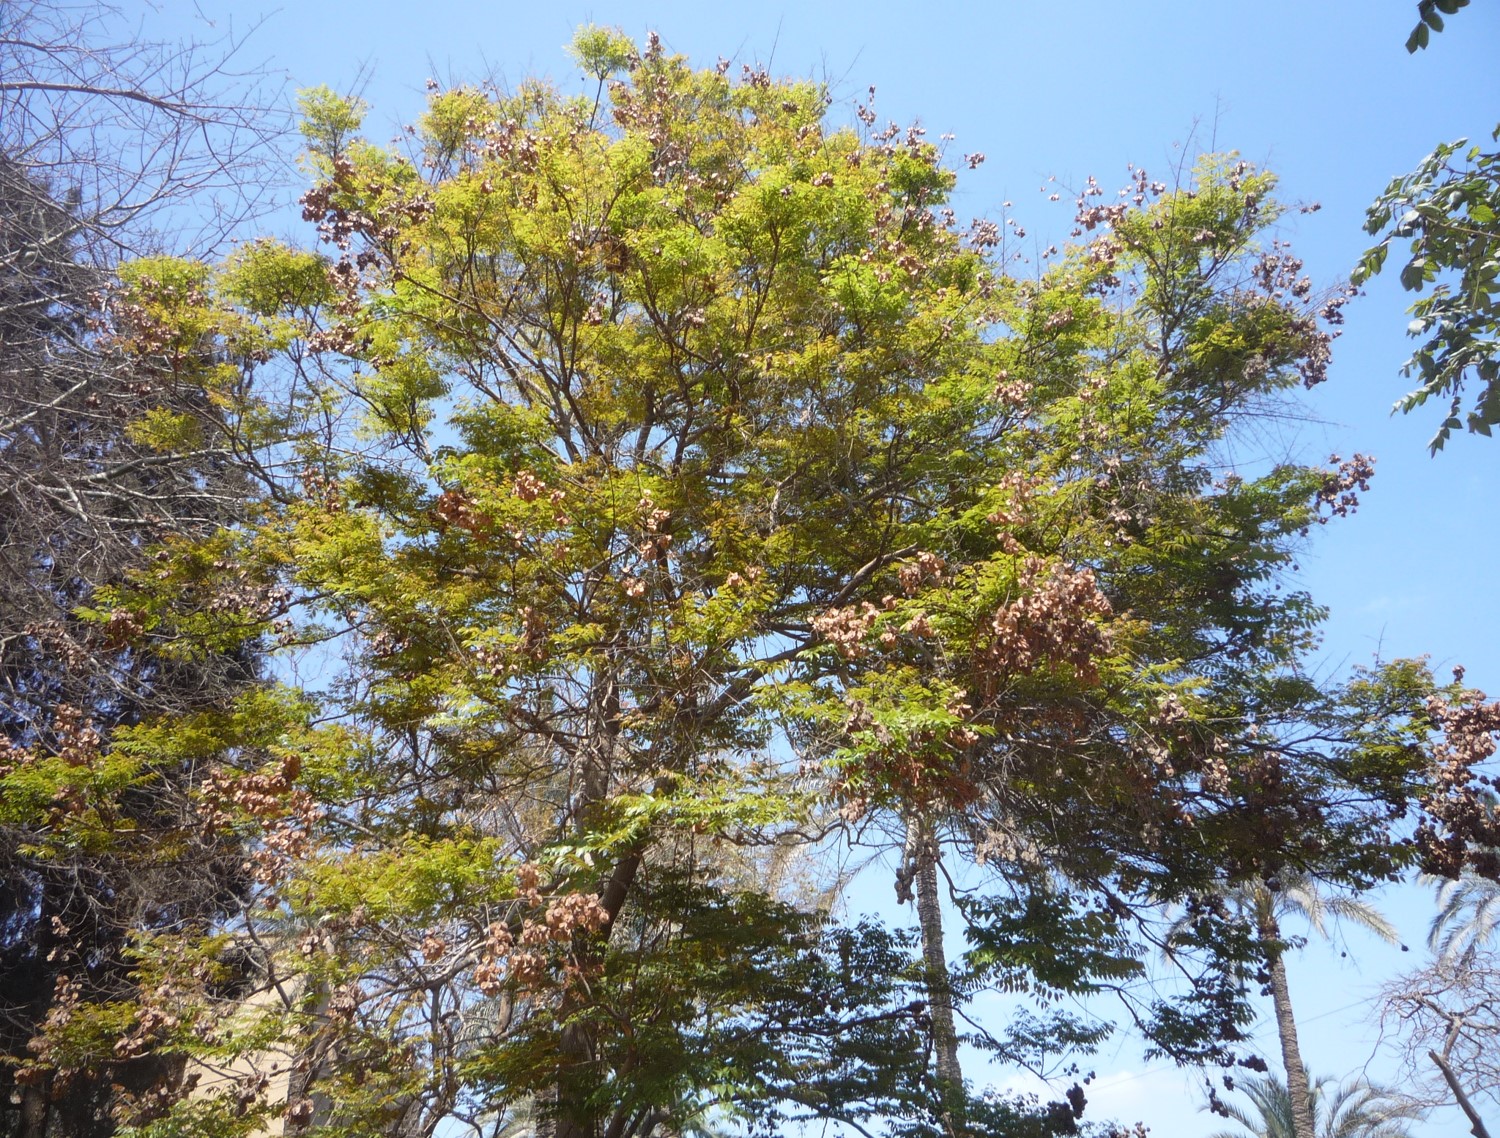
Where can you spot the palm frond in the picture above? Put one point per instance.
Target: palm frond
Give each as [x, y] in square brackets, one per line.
[1467, 918]
[1354, 1109]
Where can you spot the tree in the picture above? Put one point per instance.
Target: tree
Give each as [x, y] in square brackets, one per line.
[1355, 1109]
[67, 526]
[109, 448]
[106, 455]
[695, 489]
[1445, 1015]
[1267, 905]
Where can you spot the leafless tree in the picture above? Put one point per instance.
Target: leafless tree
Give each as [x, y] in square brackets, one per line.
[1445, 1019]
[131, 130]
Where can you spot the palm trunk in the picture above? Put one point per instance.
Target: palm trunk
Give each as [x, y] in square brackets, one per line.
[1297, 1085]
[922, 849]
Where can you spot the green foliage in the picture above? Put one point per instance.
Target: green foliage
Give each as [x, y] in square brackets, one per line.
[602, 52]
[268, 279]
[166, 432]
[695, 495]
[1051, 942]
[329, 120]
[1447, 208]
[1430, 15]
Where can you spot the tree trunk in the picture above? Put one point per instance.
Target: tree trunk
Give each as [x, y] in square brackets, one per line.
[1297, 1085]
[33, 1112]
[923, 854]
[1476, 1124]
[572, 1118]
[572, 1115]
[308, 1102]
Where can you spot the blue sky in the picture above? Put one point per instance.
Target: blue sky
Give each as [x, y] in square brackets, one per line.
[1322, 91]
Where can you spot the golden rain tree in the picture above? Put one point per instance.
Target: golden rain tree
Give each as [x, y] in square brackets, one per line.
[692, 492]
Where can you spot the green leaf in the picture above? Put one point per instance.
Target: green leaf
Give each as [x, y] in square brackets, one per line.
[601, 52]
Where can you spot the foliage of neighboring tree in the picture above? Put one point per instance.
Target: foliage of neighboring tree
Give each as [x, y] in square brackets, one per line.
[1430, 15]
[694, 493]
[1354, 1109]
[1448, 209]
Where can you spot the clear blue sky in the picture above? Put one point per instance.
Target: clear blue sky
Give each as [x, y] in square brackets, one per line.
[1321, 90]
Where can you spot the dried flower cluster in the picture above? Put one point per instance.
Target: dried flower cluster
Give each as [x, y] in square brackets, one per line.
[522, 959]
[1056, 619]
[1460, 829]
[1339, 495]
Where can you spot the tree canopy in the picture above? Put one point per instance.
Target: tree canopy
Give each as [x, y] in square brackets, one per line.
[671, 492]
[103, 459]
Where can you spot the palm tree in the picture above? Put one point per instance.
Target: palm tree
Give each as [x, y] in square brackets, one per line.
[1468, 910]
[1467, 919]
[1267, 903]
[1356, 1109]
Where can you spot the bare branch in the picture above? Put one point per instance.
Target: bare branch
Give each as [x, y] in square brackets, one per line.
[1448, 1015]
